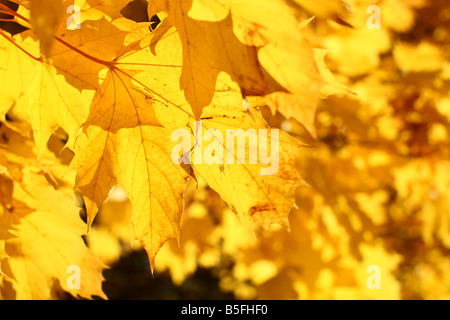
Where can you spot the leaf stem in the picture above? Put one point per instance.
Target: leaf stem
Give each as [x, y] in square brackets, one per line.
[5, 9]
[109, 64]
[19, 47]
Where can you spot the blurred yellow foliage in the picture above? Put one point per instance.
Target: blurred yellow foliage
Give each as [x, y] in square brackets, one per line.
[379, 173]
[370, 182]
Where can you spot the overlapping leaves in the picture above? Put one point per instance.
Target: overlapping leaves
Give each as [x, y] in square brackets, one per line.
[119, 89]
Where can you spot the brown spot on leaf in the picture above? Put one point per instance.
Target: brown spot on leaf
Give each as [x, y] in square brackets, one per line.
[260, 207]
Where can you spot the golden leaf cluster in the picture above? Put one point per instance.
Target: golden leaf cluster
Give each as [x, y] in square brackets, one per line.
[86, 150]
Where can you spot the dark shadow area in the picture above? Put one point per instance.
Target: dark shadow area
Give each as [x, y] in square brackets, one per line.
[130, 279]
[10, 26]
[136, 10]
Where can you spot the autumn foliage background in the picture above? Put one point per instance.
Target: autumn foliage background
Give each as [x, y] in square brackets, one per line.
[364, 151]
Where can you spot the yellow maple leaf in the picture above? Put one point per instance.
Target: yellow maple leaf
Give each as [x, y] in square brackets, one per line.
[50, 93]
[255, 177]
[44, 235]
[11, 84]
[132, 150]
[265, 54]
[39, 218]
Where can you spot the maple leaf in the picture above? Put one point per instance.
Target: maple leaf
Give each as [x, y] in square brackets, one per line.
[145, 78]
[265, 54]
[35, 243]
[52, 73]
[38, 101]
[220, 50]
[130, 149]
[39, 219]
[225, 112]
[261, 193]
[208, 68]
[9, 81]
[133, 150]
[345, 225]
